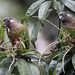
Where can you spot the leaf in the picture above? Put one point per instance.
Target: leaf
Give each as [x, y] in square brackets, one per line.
[57, 53]
[58, 6]
[27, 68]
[15, 71]
[33, 68]
[2, 55]
[43, 11]
[61, 36]
[32, 9]
[35, 31]
[2, 30]
[52, 66]
[23, 67]
[70, 4]
[31, 54]
[22, 20]
[43, 68]
[58, 68]
[73, 61]
[4, 66]
[27, 40]
[55, 66]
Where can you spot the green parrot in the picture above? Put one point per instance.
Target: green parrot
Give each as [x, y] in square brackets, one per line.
[68, 25]
[17, 32]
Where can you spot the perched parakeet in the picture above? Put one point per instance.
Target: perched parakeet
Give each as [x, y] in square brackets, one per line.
[68, 25]
[17, 32]
[68, 22]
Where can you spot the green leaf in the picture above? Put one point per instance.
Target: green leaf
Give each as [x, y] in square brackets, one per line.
[57, 53]
[35, 31]
[73, 61]
[43, 11]
[33, 68]
[22, 20]
[61, 36]
[70, 4]
[55, 66]
[43, 68]
[27, 40]
[58, 68]
[27, 68]
[52, 66]
[58, 6]
[32, 9]
[4, 66]
[31, 54]
[15, 71]
[23, 67]
[2, 30]
[3, 55]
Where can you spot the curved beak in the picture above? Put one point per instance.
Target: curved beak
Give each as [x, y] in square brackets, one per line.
[5, 26]
[60, 15]
[4, 23]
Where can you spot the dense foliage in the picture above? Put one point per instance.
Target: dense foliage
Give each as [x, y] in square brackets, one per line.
[30, 61]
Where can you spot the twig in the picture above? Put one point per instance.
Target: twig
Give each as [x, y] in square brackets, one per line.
[50, 46]
[30, 38]
[3, 47]
[23, 44]
[51, 24]
[11, 63]
[64, 58]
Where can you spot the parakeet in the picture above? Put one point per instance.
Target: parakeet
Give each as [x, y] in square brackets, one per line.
[17, 32]
[68, 22]
[68, 25]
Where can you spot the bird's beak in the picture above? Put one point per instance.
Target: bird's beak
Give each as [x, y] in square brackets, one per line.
[4, 26]
[60, 15]
[60, 19]
[4, 23]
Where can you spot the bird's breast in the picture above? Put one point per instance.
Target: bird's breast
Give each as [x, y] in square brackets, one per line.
[14, 39]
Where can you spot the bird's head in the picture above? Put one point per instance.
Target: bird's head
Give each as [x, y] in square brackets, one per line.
[8, 21]
[65, 17]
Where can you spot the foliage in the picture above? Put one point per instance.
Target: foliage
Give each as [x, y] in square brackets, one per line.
[29, 61]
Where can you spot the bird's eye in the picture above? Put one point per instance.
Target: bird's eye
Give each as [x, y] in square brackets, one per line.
[3, 20]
